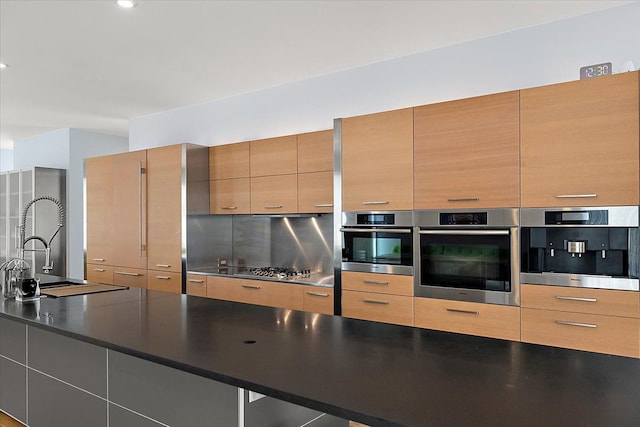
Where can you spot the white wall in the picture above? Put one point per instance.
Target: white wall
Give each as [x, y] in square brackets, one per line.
[47, 150]
[535, 56]
[6, 159]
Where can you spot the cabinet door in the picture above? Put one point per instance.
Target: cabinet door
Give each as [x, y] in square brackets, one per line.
[274, 194]
[377, 161]
[164, 281]
[164, 208]
[274, 156]
[467, 153]
[230, 196]
[229, 161]
[315, 151]
[580, 143]
[100, 192]
[129, 210]
[196, 285]
[318, 299]
[315, 192]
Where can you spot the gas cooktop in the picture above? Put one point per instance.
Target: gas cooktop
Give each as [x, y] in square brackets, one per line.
[280, 272]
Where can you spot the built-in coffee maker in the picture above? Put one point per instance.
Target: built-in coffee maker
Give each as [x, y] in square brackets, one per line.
[587, 247]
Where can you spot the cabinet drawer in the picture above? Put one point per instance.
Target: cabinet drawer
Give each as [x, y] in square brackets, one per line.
[487, 320]
[164, 281]
[283, 295]
[196, 285]
[133, 277]
[590, 332]
[379, 283]
[378, 307]
[581, 300]
[100, 273]
[318, 299]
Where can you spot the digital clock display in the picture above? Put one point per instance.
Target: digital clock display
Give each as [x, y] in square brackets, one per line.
[596, 70]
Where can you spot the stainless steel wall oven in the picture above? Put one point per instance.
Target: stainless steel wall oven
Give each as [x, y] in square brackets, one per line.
[378, 242]
[468, 255]
[594, 247]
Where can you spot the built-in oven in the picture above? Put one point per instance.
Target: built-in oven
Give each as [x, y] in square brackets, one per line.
[378, 242]
[468, 255]
[595, 247]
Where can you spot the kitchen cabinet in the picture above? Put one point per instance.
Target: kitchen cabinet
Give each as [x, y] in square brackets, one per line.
[230, 187]
[466, 153]
[133, 277]
[99, 273]
[487, 320]
[274, 194]
[259, 292]
[599, 320]
[99, 200]
[377, 161]
[315, 151]
[196, 285]
[315, 192]
[274, 156]
[579, 143]
[384, 298]
[164, 281]
[317, 299]
[229, 161]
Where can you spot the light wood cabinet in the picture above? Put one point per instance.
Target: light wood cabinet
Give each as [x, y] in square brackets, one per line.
[315, 151]
[488, 320]
[164, 281]
[579, 143]
[466, 153]
[196, 285]
[230, 196]
[164, 209]
[129, 210]
[317, 299]
[379, 283]
[259, 292]
[134, 277]
[274, 156]
[99, 206]
[377, 161]
[384, 308]
[599, 320]
[229, 161]
[100, 273]
[315, 192]
[274, 194]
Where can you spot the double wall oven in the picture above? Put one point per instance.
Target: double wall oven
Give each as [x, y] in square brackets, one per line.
[378, 242]
[467, 255]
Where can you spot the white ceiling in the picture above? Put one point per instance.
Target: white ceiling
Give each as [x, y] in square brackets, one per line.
[94, 66]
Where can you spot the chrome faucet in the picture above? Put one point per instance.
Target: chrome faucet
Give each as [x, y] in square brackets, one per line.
[48, 264]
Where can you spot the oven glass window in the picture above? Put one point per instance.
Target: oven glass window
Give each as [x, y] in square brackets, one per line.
[480, 262]
[378, 248]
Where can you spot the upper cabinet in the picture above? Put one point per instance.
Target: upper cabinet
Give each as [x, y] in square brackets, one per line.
[99, 200]
[579, 143]
[466, 153]
[315, 172]
[230, 185]
[377, 161]
[229, 161]
[274, 156]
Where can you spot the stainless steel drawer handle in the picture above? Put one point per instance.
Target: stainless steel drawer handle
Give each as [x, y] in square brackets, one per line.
[581, 299]
[464, 199]
[377, 230]
[195, 281]
[99, 270]
[230, 208]
[273, 207]
[324, 205]
[457, 310]
[317, 294]
[163, 277]
[373, 301]
[124, 273]
[99, 259]
[251, 286]
[576, 196]
[381, 202]
[373, 282]
[163, 265]
[582, 325]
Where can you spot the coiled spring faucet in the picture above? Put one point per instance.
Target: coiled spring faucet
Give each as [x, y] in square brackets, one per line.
[48, 264]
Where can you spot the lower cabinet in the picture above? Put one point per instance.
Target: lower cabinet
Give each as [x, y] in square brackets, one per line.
[487, 320]
[598, 320]
[317, 299]
[196, 285]
[100, 273]
[132, 277]
[164, 281]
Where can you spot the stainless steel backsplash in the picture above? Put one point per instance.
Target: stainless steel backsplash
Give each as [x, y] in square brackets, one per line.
[256, 241]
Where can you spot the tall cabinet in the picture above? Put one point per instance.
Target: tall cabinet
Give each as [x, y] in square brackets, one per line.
[17, 188]
[137, 206]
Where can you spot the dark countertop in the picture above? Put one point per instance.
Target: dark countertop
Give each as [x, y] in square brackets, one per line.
[377, 374]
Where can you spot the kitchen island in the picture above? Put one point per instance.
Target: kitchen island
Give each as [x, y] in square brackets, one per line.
[377, 374]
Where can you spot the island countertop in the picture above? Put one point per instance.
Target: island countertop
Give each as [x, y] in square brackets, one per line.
[374, 373]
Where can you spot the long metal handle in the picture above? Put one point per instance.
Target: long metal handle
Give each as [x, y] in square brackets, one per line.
[273, 207]
[252, 286]
[381, 202]
[195, 281]
[464, 199]
[468, 232]
[581, 299]
[457, 310]
[99, 270]
[374, 282]
[99, 259]
[377, 230]
[142, 209]
[163, 265]
[373, 301]
[576, 196]
[124, 273]
[324, 205]
[230, 208]
[317, 294]
[582, 325]
[163, 277]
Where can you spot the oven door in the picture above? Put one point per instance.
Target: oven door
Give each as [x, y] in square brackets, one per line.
[377, 250]
[468, 265]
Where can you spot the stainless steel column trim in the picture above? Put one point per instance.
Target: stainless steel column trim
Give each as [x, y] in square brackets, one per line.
[337, 216]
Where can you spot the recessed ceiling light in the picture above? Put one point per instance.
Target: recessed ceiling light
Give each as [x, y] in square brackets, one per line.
[127, 4]
[3, 65]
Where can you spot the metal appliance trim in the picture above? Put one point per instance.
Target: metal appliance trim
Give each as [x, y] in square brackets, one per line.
[581, 281]
[619, 216]
[337, 210]
[376, 230]
[402, 218]
[466, 232]
[468, 295]
[403, 270]
[496, 217]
